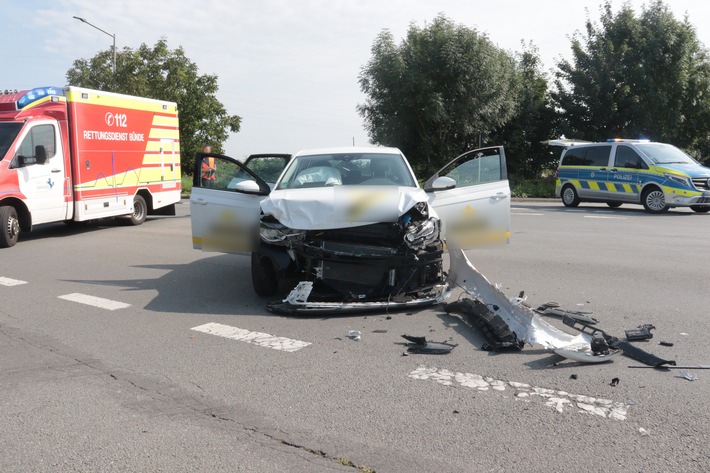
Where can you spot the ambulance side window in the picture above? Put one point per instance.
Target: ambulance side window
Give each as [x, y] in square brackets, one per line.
[626, 157]
[38, 145]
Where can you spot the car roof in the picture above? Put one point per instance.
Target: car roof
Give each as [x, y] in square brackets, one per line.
[349, 150]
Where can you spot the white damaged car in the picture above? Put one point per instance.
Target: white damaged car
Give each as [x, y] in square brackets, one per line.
[351, 228]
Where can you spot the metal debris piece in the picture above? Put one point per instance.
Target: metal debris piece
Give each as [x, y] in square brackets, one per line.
[420, 346]
[666, 344]
[614, 382]
[642, 332]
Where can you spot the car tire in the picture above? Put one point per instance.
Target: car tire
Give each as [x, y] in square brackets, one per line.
[569, 196]
[614, 205]
[10, 231]
[654, 201]
[263, 276]
[140, 210]
[701, 209]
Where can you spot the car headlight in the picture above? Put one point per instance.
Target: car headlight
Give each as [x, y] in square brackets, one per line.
[275, 232]
[421, 234]
[678, 179]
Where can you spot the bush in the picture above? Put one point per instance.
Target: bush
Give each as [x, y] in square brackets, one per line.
[186, 184]
[540, 187]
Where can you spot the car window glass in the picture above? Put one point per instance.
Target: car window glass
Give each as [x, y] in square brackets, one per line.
[573, 157]
[266, 167]
[477, 168]
[347, 169]
[665, 154]
[221, 174]
[626, 157]
[40, 136]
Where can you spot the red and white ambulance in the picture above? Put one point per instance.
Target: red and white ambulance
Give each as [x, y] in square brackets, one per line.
[75, 154]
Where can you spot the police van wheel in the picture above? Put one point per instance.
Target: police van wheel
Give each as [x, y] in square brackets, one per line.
[263, 276]
[570, 197]
[614, 205]
[10, 230]
[701, 209]
[654, 201]
[140, 210]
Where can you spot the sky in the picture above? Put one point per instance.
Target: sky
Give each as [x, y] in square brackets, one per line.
[288, 68]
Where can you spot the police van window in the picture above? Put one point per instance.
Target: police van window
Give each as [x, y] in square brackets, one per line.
[574, 157]
[626, 157]
[40, 135]
[597, 155]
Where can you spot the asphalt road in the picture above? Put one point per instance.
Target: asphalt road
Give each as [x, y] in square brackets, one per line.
[124, 383]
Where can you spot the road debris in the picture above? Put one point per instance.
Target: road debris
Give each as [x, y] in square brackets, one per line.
[355, 335]
[642, 332]
[497, 332]
[553, 309]
[642, 432]
[666, 344]
[614, 382]
[420, 346]
[685, 374]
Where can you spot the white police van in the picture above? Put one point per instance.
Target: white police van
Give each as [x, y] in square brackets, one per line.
[656, 175]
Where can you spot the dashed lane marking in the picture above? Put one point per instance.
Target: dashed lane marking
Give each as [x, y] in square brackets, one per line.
[99, 302]
[10, 282]
[559, 400]
[255, 338]
[600, 216]
[526, 213]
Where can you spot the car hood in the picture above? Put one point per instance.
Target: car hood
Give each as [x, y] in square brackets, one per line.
[340, 206]
[691, 170]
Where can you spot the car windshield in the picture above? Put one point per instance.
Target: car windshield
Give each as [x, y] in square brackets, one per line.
[8, 133]
[347, 169]
[665, 154]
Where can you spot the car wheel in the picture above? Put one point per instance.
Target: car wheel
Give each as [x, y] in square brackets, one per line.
[654, 201]
[614, 205]
[140, 210]
[569, 196]
[263, 276]
[10, 226]
[701, 209]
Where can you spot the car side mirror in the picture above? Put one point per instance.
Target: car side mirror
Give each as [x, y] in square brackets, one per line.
[248, 186]
[443, 183]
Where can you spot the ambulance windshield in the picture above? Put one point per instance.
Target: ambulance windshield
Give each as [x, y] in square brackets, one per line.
[8, 133]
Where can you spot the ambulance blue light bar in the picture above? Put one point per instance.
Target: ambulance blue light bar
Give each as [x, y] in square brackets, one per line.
[36, 94]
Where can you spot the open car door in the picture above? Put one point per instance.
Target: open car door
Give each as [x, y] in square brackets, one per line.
[224, 203]
[471, 194]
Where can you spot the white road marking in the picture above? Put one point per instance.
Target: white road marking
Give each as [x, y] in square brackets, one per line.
[10, 282]
[599, 216]
[525, 392]
[255, 338]
[99, 302]
[525, 213]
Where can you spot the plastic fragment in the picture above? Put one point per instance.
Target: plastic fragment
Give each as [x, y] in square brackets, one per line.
[687, 375]
[642, 432]
[355, 335]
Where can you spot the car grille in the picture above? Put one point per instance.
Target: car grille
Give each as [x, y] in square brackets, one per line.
[701, 183]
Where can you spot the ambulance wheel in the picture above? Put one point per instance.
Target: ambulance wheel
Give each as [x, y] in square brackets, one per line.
[140, 210]
[614, 205]
[654, 201]
[701, 209]
[10, 226]
[263, 276]
[569, 196]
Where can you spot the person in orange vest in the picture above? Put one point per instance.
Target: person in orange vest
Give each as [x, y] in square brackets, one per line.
[209, 169]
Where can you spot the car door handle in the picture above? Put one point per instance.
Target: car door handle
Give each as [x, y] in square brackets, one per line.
[56, 170]
[613, 170]
[199, 201]
[602, 169]
[499, 196]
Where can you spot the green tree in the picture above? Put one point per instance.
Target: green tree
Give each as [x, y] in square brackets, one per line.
[636, 76]
[534, 121]
[435, 93]
[164, 74]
